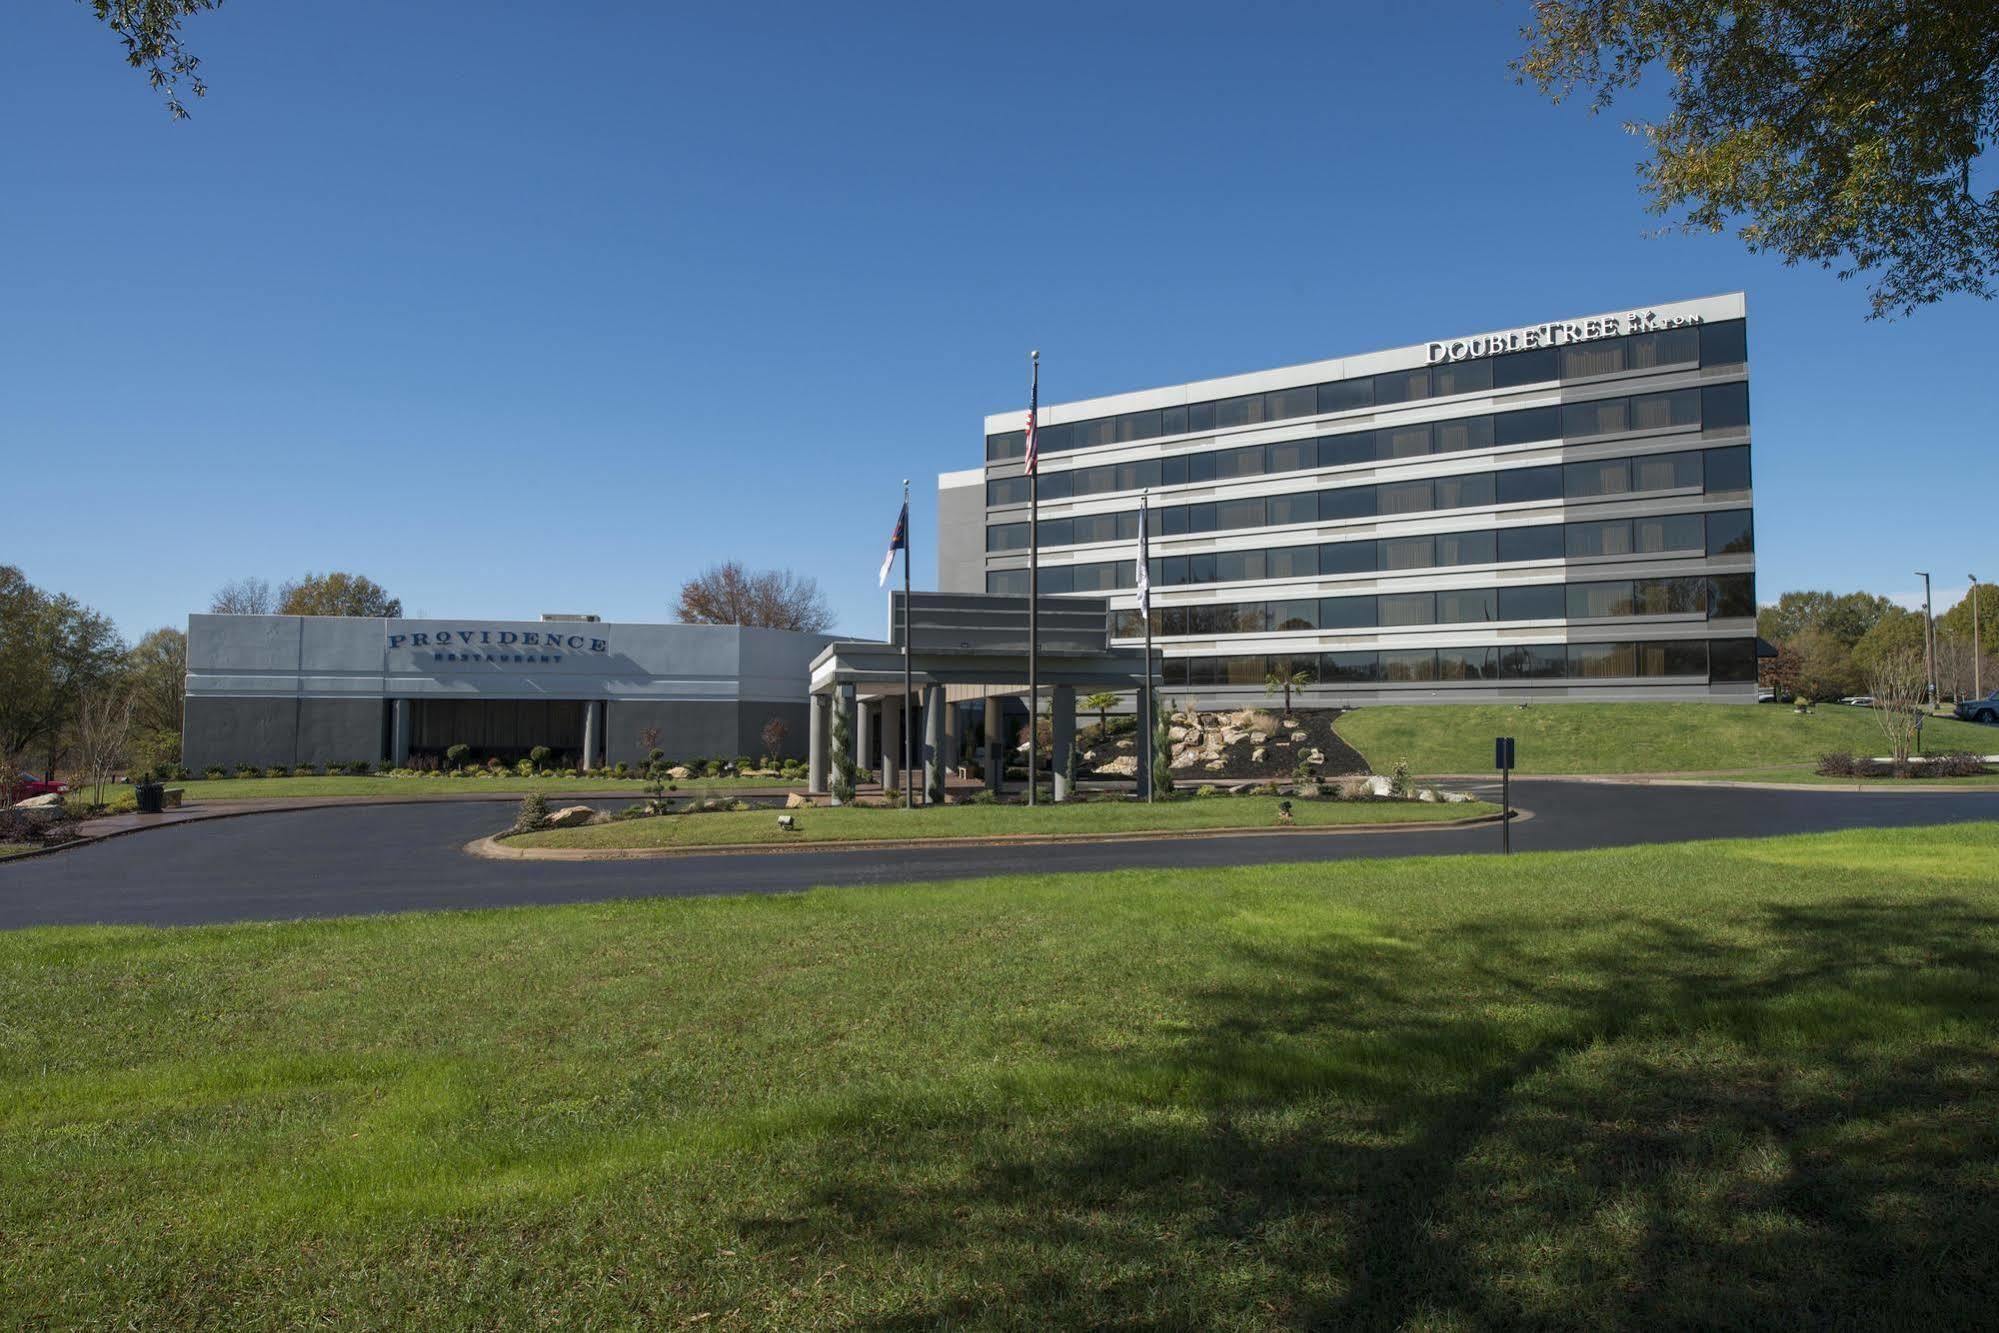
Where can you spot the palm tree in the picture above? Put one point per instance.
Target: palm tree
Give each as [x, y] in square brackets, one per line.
[1102, 702]
[1276, 682]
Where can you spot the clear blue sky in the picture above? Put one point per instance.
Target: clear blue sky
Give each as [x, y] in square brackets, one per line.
[546, 311]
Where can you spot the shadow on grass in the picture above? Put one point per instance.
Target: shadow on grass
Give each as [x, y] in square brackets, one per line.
[1788, 1120]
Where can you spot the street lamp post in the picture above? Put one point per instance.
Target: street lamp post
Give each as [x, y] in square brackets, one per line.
[1929, 639]
[1977, 685]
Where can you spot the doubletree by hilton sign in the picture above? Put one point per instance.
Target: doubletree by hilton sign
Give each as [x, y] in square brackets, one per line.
[1558, 334]
[442, 644]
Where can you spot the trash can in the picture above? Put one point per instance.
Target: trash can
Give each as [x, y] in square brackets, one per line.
[151, 796]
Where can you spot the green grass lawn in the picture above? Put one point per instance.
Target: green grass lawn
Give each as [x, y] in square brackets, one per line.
[8, 849]
[1718, 1084]
[859, 823]
[119, 797]
[1631, 737]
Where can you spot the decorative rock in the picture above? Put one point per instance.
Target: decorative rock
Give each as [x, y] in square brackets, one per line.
[570, 816]
[1256, 755]
[1176, 733]
[46, 801]
[1125, 765]
[1308, 790]
[1380, 786]
[1297, 735]
[1216, 765]
[1186, 759]
[1457, 798]
[1315, 756]
[1230, 735]
[680, 772]
[797, 800]
[1258, 737]
[1427, 795]
[1290, 723]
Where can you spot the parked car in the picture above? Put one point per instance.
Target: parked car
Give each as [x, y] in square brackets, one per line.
[1859, 700]
[26, 788]
[1980, 710]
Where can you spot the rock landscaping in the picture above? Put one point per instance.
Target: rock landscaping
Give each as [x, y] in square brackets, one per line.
[1248, 745]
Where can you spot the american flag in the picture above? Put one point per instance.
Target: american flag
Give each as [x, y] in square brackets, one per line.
[1033, 400]
[1144, 561]
[897, 542]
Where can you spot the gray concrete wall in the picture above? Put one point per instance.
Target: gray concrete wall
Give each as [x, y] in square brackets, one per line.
[340, 731]
[228, 732]
[961, 531]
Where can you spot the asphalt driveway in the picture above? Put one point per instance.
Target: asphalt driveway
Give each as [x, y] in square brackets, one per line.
[382, 858]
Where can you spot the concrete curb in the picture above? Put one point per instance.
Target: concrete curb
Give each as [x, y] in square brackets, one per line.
[493, 848]
[1879, 787]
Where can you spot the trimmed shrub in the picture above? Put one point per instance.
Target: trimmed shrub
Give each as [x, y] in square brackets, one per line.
[1836, 764]
[1954, 764]
[302, 771]
[539, 756]
[361, 768]
[214, 773]
[1207, 789]
[457, 755]
[248, 771]
[533, 813]
[1399, 785]
[983, 796]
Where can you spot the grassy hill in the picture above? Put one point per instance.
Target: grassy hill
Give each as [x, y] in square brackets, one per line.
[1630, 737]
[1729, 1084]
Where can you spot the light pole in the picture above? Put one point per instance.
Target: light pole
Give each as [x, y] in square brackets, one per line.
[1929, 639]
[1977, 685]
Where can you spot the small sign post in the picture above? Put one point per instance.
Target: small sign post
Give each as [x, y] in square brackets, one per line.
[1502, 759]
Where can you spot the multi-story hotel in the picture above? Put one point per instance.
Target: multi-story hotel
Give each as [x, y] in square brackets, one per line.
[1555, 510]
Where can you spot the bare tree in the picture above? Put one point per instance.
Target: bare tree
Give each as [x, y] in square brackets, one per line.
[243, 597]
[103, 727]
[1899, 685]
[774, 733]
[728, 594]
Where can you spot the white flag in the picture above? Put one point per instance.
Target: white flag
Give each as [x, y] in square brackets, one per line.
[1144, 561]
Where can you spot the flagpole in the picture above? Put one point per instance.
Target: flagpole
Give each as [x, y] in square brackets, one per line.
[1033, 580]
[908, 796]
[1145, 613]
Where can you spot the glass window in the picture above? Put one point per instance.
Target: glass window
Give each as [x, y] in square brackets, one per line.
[1730, 532]
[1007, 444]
[1669, 597]
[1602, 661]
[1535, 423]
[1606, 416]
[1291, 562]
[1292, 456]
[1138, 426]
[1731, 659]
[1340, 450]
[1728, 471]
[1467, 548]
[1464, 433]
[1126, 624]
[1612, 537]
[1173, 421]
[1467, 606]
[1006, 537]
[1246, 670]
[1239, 463]
[1246, 410]
[1057, 580]
[1671, 532]
[1246, 512]
[1402, 386]
[1672, 657]
[1473, 376]
[1201, 568]
[1172, 520]
[1534, 661]
[1667, 347]
[1052, 439]
[1404, 497]
[1201, 517]
[1405, 664]
[1347, 502]
[1660, 411]
[1007, 491]
[1096, 578]
[1605, 357]
[1238, 566]
[1521, 484]
[1409, 608]
[1363, 666]
[1586, 481]
[1402, 441]
[1465, 492]
[1282, 404]
[1732, 595]
[1007, 582]
[1539, 601]
[1724, 406]
[1173, 671]
[1201, 466]
[1299, 614]
[1346, 395]
[1346, 613]
[1535, 366]
[1593, 601]
[1300, 508]
[1543, 542]
[1347, 558]
[1408, 553]
[1666, 472]
[1724, 343]
[1173, 471]
[1090, 528]
[1467, 664]
[1200, 417]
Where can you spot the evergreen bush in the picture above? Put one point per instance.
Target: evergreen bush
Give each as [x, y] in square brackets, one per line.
[842, 741]
[533, 813]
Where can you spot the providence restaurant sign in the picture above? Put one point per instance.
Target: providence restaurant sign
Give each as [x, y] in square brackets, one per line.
[444, 644]
[1557, 334]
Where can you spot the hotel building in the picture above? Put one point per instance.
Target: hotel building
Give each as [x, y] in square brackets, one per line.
[1558, 510]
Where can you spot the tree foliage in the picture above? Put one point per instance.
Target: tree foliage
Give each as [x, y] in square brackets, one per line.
[156, 672]
[728, 594]
[151, 32]
[1842, 133]
[243, 597]
[52, 650]
[338, 594]
[1845, 616]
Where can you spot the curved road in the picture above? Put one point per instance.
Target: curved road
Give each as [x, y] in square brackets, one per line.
[391, 858]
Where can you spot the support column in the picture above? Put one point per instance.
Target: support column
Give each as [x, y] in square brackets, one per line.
[1062, 735]
[995, 753]
[845, 705]
[933, 744]
[399, 733]
[954, 726]
[891, 742]
[592, 737]
[818, 747]
[864, 722]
